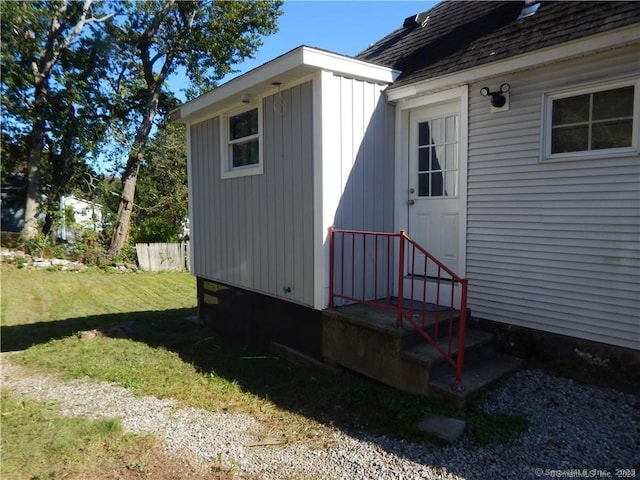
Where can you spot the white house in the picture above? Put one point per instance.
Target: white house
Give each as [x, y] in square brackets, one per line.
[87, 215]
[502, 136]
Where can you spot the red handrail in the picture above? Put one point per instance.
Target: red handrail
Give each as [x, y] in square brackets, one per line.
[366, 269]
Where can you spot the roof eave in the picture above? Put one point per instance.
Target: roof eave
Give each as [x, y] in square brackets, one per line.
[285, 69]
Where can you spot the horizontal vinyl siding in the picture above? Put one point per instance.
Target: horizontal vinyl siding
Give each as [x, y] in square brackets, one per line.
[553, 246]
[256, 232]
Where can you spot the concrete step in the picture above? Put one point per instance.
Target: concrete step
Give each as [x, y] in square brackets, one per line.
[476, 376]
[477, 342]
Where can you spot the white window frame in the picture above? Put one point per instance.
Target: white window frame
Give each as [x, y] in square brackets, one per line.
[226, 159]
[547, 123]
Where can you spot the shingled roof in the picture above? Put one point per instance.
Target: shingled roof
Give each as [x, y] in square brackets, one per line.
[458, 35]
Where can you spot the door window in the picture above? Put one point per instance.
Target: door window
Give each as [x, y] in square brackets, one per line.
[438, 157]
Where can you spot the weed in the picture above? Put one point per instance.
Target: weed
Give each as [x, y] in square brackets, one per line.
[559, 366]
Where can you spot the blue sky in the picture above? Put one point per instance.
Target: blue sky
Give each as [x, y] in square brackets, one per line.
[345, 27]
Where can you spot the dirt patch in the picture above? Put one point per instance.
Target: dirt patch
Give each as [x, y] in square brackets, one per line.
[156, 463]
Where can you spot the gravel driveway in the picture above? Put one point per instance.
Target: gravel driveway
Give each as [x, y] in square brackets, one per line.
[577, 431]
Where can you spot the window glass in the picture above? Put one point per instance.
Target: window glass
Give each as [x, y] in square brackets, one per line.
[242, 148]
[243, 124]
[423, 134]
[613, 103]
[571, 110]
[246, 153]
[438, 157]
[423, 184]
[423, 159]
[593, 121]
[613, 134]
[570, 139]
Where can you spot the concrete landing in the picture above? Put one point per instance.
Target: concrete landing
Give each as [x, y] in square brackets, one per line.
[366, 339]
[476, 376]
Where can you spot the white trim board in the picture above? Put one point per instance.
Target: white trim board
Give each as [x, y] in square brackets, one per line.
[297, 63]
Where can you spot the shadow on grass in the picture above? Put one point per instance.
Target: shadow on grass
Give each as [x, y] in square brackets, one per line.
[346, 401]
[20, 337]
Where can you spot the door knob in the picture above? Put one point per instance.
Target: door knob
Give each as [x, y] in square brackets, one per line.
[411, 201]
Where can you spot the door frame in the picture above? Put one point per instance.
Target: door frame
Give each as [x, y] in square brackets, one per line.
[403, 108]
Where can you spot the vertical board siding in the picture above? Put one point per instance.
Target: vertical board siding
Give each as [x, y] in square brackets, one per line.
[553, 246]
[366, 126]
[256, 232]
[363, 144]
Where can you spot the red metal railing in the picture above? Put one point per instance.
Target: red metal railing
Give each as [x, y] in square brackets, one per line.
[381, 269]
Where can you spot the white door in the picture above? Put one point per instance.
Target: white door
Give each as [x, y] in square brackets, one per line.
[433, 196]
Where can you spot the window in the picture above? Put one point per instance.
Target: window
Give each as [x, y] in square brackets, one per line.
[438, 157]
[598, 120]
[242, 142]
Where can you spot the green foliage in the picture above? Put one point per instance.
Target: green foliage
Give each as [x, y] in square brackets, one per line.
[203, 38]
[69, 216]
[155, 229]
[127, 254]
[53, 107]
[162, 193]
[40, 245]
[80, 97]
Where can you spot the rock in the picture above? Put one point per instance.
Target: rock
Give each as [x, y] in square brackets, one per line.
[41, 263]
[74, 267]
[447, 429]
[59, 262]
[89, 334]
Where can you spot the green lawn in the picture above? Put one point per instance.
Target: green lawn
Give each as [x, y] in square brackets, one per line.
[31, 296]
[156, 349]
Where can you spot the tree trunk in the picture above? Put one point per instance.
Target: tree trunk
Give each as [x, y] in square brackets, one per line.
[122, 225]
[32, 205]
[123, 220]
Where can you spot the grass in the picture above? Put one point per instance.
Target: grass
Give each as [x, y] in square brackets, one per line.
[157, 351]
[37, 442]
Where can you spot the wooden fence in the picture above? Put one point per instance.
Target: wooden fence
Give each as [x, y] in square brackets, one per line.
[156, 257]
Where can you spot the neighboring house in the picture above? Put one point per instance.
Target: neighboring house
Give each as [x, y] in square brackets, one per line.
[531, 193]
[87, 215]
[12, 199]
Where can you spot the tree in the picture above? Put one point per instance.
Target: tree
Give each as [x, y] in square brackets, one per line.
[35, 36]
[162, 192]
[204, 37]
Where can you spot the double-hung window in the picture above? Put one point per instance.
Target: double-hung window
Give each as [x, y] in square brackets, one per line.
[242, 142]
[592, 121]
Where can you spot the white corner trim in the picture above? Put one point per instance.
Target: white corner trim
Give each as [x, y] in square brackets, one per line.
[583, 46]
[191, 199]
[319, 291]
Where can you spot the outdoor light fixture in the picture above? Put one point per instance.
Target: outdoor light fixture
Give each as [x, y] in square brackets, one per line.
[497, 98]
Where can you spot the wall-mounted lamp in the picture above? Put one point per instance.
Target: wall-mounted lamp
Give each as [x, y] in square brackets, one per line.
[497, 98]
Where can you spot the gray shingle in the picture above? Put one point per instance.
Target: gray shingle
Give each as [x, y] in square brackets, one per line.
[464, 34]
